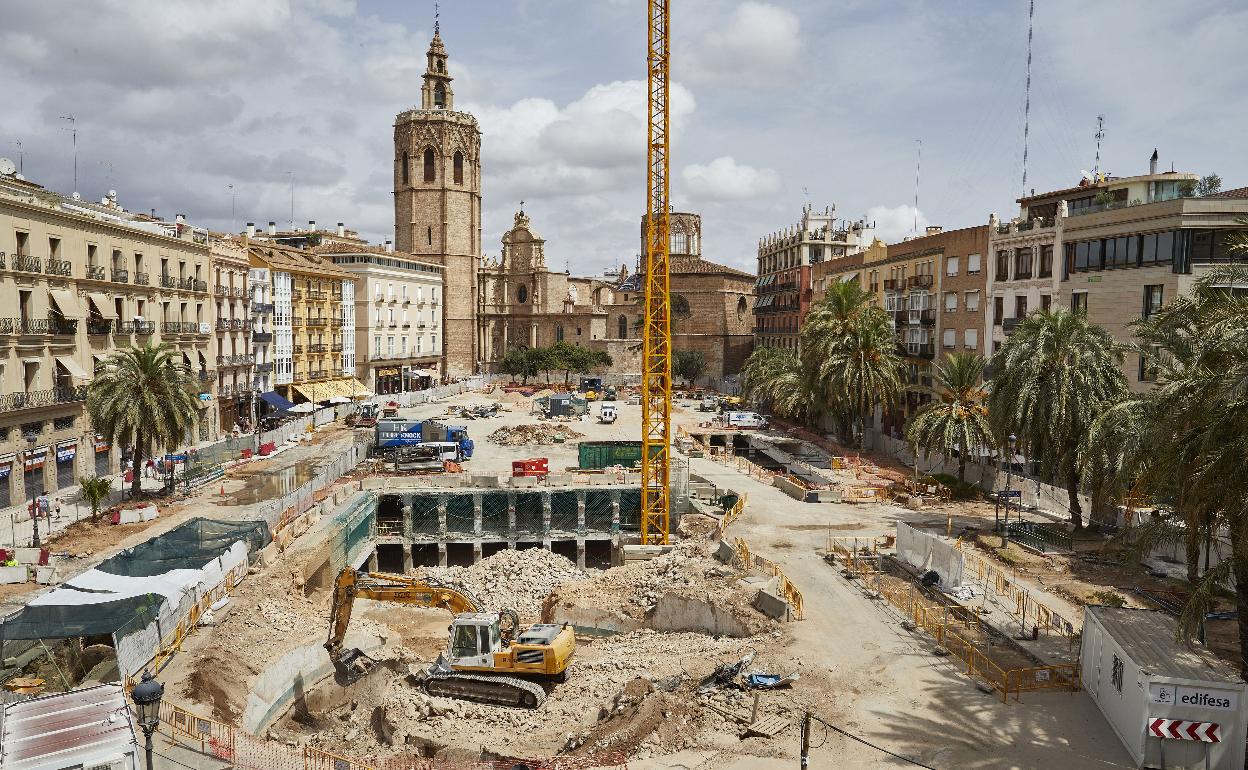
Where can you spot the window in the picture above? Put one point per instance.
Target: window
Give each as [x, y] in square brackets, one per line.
[1003, 265]
[1022, 262]
[522, 294]
[1148, 366]
[1081, 256]
[429, 235]
[390, 347]
[439, 96]
[1115, 673]
[623, 324]
[429, 167]
[407, 161]
[1079, 302]
[998, 310]
[970, 339]
[23, 244]
[1020, 306]
[1045, 301]
[972, 301]
[559, 333]
[1152, 299]
[459, 168]
[951, 302]
[950, 338]
[1046, 261]
[419, 340]
[403, 346]
[377, 345]
[680, 242]
[951, 266]
[972, 264]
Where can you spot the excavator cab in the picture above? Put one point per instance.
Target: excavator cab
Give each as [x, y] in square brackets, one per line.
[475, 637]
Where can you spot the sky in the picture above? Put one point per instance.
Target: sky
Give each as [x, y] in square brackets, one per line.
[211, 108]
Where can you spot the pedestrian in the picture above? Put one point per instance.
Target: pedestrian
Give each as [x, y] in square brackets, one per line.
[43, 505]
[56, 510]
[150, 469]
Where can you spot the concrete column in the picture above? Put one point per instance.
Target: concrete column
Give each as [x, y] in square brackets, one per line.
[580, 552]
[476, 552]
[511, 517]
[580, 520]
[408, 564]
[546, 517]
[372, 561]
[442, 554]
[442, 522]
[615, 510]
[533, 336]
[407, 519]
[477, 525]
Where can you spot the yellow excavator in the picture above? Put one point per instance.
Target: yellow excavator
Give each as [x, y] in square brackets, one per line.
[489, 658]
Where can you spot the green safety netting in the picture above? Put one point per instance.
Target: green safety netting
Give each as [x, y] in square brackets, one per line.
[189, 545]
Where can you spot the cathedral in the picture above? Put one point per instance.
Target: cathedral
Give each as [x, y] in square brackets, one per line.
[491, 305]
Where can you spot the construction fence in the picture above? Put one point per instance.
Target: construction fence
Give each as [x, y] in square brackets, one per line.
[1014, 596]
[280, 512]
[243, 751]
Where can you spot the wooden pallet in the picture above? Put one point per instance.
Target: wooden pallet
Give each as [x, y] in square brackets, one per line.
[769, 726]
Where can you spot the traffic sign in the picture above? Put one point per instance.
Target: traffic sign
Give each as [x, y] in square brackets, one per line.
[1183, 730]
[1010, 493]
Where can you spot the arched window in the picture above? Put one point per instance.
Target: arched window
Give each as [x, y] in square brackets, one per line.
[406, 163]
[439, 96]
[680, 242]
[559, 333]
[623, 327]
[429, 235]
[741, 307]
[459, 168]
[429, 168]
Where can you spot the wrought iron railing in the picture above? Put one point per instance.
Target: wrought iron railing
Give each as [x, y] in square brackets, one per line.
[141, 279]
[95, 272]
[27, 263]
[38, 398]
[168, 282]
[99, 327]
[59, 267]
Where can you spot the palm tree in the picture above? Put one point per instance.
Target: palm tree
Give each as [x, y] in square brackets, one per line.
[95, 491]
[776, 377]
[857, 369]
[958, 421]
[1055, 374]
[143, 397]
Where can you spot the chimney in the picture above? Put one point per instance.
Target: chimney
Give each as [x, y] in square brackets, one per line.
[272, 228]
[251, 229]
[342, 230]
[1152, 162]
[179, 219]
[311, 225]
[389, 245]
[934, 229]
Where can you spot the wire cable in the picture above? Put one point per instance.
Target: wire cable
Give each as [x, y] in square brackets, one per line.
[865, 742]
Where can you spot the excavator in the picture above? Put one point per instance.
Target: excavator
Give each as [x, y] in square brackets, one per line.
[489, 658]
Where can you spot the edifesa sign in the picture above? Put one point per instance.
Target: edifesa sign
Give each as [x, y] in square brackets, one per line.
[1197, 697]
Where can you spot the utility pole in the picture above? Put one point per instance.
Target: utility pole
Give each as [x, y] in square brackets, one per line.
[73, 130]
[805, 740]
[918, 164]
[1100, 134]
[1031, 18]
[20, 158]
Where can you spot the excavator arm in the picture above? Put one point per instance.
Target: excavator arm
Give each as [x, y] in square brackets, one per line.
[379, 586]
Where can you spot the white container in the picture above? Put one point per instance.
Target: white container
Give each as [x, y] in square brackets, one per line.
[1134, 669]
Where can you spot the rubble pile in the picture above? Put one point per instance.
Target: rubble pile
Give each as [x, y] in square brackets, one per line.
[525, 435]
[512, 579]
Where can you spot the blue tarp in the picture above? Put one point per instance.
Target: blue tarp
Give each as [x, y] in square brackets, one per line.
[275, 400]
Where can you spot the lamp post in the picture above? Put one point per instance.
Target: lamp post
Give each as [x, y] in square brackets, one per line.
[146, 696]
[33, 439]
[1011, 442]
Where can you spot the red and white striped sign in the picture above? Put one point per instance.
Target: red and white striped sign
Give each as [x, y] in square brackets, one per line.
[1181, 730]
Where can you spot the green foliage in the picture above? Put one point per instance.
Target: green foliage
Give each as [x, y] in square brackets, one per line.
[1108, 599]
[95, 491]
[957, 422]
[569, 358]
[688, 364]
[522, 362]
[1208, 185]
[1055, 375]
[144, 397]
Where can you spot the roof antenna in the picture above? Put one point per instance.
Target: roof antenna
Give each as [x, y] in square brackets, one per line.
[73, 129]
[1031, 16]
[918, 164]
[1100, 134]
[437, 25]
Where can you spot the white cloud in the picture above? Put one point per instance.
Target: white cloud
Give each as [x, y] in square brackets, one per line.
[724, 179]
[894, 224]
[757, 45]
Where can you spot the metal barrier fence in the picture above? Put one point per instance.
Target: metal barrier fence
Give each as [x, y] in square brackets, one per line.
[280, 512]
[861, 555]
[941, 621]
[747, 561]
[1026, 608]
[1039, 537]
[732, 514]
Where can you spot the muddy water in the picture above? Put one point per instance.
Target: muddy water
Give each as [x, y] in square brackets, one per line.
[272, 485]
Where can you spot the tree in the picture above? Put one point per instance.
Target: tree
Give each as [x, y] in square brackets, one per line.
[520, 362]
[569, 358]
[1055, 374]
[957, 423]
[688, 364]
[775, 377]
[144, 396]
[1208, 185]
[95, 491]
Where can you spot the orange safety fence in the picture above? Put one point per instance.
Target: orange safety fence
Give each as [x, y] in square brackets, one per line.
[748, 561]
[1025, 607]
[732, 514]
[172, 642]
[860, 555]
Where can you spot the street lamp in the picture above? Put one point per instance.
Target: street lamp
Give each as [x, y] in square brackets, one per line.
[1011, 442]
[146, 696]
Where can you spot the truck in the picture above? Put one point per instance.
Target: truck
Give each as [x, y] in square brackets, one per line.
[364, 417]
[393, 433]
[708, 404]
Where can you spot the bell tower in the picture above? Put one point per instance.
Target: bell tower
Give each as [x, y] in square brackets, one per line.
[437, 201]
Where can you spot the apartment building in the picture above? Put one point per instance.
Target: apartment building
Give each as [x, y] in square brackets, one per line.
[232, 343]
[81, 280]
[785, 261]
[397, 345]
[260, 288]
[309, 324]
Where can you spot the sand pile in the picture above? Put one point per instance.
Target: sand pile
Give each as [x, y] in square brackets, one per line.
[525, 435]
[516, 580]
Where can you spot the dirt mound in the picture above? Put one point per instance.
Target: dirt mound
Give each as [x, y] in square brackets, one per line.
[525, 435]
[517, 580]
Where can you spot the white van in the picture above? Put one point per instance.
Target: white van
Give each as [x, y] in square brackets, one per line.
[745, 420]
[446, 450]
[606, 414]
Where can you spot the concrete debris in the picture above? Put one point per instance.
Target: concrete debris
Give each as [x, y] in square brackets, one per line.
[524, 435]
[512, 579]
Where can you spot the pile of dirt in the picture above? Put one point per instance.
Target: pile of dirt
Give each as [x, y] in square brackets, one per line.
[512, 579]
[526, 435]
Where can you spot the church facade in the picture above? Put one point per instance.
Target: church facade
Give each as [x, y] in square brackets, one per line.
[492, 305]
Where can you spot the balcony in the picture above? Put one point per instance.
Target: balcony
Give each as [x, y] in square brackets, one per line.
[892, 284]
[320, 374]
[179, 327]
[318, 322]
[137, 327]
[245, 359]
[95, 272]
[225, 391]
[168, 282]
[319, 347]
[38, 398]
[221, 291]
[1022, 274]
[237, 291]
[141, 279]
[297, 349]
[316, 295]
[27, 263]
[296, 295]
[204, 376]
[335, 323]
[265, 368]
[1008, 325]
[920, 281]
[926, 317]
[262, 308]
[2, 262]
[296, 321]
[336, 347]
[99, 327]
[223, 324]
[262, 336]
[920, 349]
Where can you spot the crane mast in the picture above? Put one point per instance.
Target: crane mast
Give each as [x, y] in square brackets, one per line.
[656, 400]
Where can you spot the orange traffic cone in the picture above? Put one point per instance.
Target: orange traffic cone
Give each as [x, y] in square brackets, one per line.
[223, 489]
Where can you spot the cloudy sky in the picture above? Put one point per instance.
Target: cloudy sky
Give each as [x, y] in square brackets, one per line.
[777, 102]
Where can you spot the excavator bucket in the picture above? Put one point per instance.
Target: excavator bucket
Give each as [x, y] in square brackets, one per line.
[351, 665]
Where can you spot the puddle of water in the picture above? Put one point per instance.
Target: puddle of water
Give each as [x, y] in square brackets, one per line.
[271, 485]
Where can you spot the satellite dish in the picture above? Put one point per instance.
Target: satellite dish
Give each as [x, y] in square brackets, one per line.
[6, 167]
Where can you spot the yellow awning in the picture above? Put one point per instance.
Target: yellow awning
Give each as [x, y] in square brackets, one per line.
[102, 305]
[357, 389]
[66, 302]
[71, 366]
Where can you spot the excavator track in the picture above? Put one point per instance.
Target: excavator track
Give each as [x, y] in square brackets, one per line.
[493, 690]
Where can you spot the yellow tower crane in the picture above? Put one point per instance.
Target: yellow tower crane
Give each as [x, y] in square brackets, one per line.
[656, 377]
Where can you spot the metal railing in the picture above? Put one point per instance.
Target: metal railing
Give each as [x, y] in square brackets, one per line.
[27, 263]
[140, 279]
[95, 272]
[221, 291]
[263, 308]
[38, 398]
[1008, 325]
[319, 347]
[1039, 537]
[59, 267]
[317, 322]
[168, 282]
[99, 327]
[262, 336]
[264, 368]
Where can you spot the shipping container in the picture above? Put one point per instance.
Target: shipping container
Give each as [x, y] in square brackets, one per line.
[596, 455]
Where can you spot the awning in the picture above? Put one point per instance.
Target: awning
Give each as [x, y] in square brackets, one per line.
[340, 400]
[272, 398]
[67, 302]
[316, 391]
[302, 408]
[71, 366]
[425, 373]
[102, 304]
[357, 389]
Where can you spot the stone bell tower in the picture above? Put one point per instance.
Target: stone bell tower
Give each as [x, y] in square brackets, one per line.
[437, 201]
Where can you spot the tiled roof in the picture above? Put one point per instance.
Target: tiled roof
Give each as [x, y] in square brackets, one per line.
[296, 260]
[1239, 193]
[690, 265]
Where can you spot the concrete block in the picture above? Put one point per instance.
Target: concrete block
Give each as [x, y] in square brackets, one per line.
[559, 480]
[725, 553]
[45, 575]
[770, 602]
[485, 482]
[523, 482]
[675, 613]
[13, 575]
[373, 482]
[26, 555]
[644, 552]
